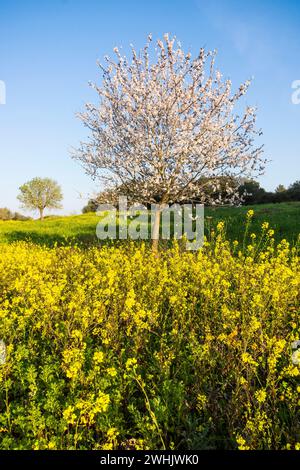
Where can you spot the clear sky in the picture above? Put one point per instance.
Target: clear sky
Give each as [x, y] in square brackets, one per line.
[48, 53]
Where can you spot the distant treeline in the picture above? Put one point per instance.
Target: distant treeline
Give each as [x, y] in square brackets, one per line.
[250, 192]
[6, 214]
[255, 194]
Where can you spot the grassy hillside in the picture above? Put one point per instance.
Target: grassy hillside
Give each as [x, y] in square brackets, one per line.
[60, 230]
[283, 218]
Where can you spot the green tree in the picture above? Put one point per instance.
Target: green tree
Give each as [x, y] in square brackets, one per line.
[91, 206]
[280, 189]
[294, 191]
[252, 192]
[40, 194]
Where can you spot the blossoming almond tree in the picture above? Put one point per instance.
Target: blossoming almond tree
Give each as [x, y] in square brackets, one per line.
[165, 127]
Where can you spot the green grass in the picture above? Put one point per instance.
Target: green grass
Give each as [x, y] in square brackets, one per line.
[60, 230]
[284, 218]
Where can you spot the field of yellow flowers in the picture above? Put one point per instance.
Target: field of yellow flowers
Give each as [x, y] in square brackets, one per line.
[116, 348]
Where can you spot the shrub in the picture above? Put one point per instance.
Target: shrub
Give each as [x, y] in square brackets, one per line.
[5, 214]
[18, 216]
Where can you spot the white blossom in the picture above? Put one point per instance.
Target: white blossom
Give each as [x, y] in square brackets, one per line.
[166, 127]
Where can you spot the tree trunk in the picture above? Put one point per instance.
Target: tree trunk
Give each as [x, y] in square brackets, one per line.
[155, 231]
[41, 214]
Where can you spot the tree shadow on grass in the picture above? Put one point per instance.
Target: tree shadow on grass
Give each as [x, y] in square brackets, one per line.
[84, 239]
[51, 239]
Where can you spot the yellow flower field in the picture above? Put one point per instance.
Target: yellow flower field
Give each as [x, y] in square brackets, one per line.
[116, 348]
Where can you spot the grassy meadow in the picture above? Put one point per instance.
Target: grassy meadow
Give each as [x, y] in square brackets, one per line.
[113, 347]
[284, 218]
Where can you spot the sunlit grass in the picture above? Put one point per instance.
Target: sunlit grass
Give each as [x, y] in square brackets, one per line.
[284, 218]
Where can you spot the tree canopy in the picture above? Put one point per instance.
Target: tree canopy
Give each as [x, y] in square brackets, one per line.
[163, 125]
[40, 194]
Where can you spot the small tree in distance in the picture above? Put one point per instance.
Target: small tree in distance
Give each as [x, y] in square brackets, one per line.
[165, 128]
[40, 194]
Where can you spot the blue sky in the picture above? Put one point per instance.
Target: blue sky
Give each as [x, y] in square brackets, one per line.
[48, 53]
